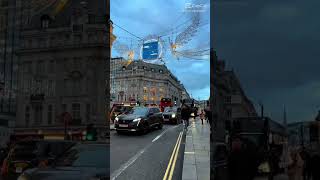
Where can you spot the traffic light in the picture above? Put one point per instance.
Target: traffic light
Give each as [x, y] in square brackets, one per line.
[91, 133]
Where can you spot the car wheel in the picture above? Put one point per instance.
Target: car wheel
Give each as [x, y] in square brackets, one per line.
[146, 129]
[160, 126]
[119, 132]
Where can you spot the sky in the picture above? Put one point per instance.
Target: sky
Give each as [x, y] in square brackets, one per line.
[158, 17]
[273, 46]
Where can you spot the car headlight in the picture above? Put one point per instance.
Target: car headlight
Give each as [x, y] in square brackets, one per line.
[137, 119]
[117, 119]
[173, 115]
[23, 177]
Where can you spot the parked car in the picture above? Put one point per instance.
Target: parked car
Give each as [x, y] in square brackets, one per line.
[139, 119]
[172, 115]
[29, 154]
[82, 161]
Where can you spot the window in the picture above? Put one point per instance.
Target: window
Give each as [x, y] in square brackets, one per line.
[228, 99]
[27, 115]
[152, 69]
[50, 88]
[88, 112]
[76, 111]
[64, 108]
[50, 114]
[229, 113]
[38, 115]
[51, 66]
[45, 21]
[78, 38]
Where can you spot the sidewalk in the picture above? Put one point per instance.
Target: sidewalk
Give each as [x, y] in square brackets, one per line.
[278, 177]
[112, 126]
[196, 164]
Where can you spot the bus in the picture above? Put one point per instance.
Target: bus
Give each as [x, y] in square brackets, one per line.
[165, 102]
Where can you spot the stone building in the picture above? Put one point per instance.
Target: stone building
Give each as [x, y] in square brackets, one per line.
[146, 83]
[63, 58]
[237, 104]
[9, 41]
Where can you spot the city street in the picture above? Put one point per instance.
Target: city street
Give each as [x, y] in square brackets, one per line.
[147, 157]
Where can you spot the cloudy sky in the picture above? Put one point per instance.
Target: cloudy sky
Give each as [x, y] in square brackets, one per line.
[273, 46]
[158, 17]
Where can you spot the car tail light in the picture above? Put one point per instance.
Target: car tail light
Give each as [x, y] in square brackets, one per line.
[4, 168]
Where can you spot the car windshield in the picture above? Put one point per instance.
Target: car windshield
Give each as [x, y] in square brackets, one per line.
[117, 108]
[85, 155]
[139, 111]
[24, 151]
[126, 110]
[170, 109]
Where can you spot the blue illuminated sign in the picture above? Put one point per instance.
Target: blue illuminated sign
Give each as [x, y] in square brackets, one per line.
[150, 50]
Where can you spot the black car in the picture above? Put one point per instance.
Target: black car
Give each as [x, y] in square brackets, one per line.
[172, 115]
[139, 119]
[120, 109]
[83, 161]
[29, 154]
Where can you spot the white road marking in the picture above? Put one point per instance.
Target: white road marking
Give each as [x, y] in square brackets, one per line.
[123, 167]
[127, 164]
[156, 138]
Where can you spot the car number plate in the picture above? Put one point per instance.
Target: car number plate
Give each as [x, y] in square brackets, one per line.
[123, 125]
[166, 119]
[18, 169]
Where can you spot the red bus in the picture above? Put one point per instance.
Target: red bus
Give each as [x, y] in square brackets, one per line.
[165, 102]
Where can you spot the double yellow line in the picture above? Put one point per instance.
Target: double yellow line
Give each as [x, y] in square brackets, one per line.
[173, 159]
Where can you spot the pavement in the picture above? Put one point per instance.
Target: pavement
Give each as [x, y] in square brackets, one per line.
[196, 163]
[112, 126]
[148, 156]
[278, 177]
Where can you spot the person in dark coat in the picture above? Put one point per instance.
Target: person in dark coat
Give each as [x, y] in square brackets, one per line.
[243, 160]
[185, 114]
[306, 169]
[315, 164]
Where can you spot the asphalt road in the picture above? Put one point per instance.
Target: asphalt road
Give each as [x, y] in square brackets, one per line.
[147, 157]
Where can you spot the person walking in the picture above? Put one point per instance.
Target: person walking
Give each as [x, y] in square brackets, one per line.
[315, 163]
[202, 116]
[306, 169]
[243, 160]
[295, 169]
[185, 115]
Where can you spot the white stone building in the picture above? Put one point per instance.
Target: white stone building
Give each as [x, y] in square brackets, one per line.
[62, 64]
[146, 83]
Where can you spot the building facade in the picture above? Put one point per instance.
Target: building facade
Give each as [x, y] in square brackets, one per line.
[146, 83]
[9, 41]
[62, 66]
[237, 104]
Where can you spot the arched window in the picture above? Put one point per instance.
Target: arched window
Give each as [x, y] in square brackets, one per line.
[45, 21]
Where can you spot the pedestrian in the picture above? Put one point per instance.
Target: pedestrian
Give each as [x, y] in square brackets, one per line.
[185, 114]
[306, 169]
[202, 116]
[315, 163]
[243, 159]
[295, 168]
